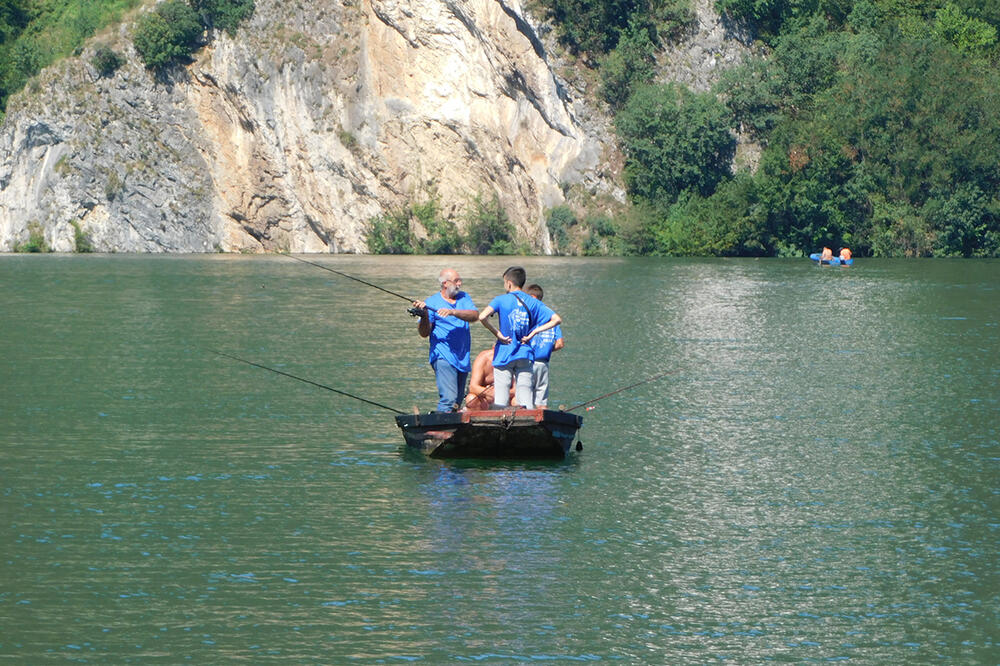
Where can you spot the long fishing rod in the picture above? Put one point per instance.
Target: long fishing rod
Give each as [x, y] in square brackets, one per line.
[351, 277]
[624, 388]
[307, 381]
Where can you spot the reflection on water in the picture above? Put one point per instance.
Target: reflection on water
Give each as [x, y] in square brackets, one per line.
[816, 480]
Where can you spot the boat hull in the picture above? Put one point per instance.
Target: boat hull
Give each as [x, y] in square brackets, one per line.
[507, 433]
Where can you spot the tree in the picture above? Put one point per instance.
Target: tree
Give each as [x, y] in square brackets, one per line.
[167, 35]
[674, 140]
[631, 64]
[223, 14]
[489, 230]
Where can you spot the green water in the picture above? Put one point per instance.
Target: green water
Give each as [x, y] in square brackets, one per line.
[816, 481]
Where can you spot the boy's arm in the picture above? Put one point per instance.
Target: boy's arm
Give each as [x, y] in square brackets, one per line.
[551, 323]
[484, 319]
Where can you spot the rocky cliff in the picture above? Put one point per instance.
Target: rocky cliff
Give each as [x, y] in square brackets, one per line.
[314, 119]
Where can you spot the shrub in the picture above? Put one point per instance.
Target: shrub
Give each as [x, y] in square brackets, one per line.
[106, 61]
[489, 229]
[36, 240]
[168, 35]
[558, 222]
[630, 65]
[674, 140]
[442, 234]
[81, 238]
[390, 233]
[223, 14]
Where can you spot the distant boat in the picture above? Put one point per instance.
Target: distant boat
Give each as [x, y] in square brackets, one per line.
[506, 433]
[836, 261]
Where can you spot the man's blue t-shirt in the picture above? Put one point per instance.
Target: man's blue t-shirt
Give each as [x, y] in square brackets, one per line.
[517, 318]
[450, 338]
[543, 342]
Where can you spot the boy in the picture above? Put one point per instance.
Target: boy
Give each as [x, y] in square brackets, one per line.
[521, 318]
[543, 345]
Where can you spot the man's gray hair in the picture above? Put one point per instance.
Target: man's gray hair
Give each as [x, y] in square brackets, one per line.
[444, 271]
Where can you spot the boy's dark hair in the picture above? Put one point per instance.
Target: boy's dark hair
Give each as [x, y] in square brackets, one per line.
[535, 290]
[516, 275]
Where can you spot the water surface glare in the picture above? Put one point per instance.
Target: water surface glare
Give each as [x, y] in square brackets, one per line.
[817, 480]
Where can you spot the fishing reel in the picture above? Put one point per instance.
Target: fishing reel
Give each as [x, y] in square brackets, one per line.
[417, 312]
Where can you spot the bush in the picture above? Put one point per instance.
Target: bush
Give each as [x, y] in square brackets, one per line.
[674, 140]
[442, 234]
[36, 240]
[489, 229]
[106, 61]
[630, 65]
[81, 238]
[558, 222]
[223, 14]
[168, 35]
[390, 234]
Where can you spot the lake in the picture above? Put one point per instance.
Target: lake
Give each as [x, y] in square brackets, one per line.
[818, 479]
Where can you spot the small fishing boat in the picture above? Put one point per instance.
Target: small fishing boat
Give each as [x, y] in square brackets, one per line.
[836, 261]
[502, 433]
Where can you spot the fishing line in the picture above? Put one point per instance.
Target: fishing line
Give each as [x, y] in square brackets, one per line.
[307, 381]
[624, 388]
[350, 277]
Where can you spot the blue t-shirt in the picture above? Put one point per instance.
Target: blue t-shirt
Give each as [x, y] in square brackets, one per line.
[450, 338]
[517, 319]
[543, 342]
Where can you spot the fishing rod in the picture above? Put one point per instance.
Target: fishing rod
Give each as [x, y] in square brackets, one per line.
[416, 312]
[624, 388]
[307, 381]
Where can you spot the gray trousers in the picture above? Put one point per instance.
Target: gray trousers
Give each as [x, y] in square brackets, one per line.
[518, 372]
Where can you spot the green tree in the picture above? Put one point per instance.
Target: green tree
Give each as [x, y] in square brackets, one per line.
[631, 64]
[591, 26]
[489, 230]
[674, 140]
[558, 221]
[106, 61]
[167, 35]
[969, 35]
[223, 14]
[390, 233]
[14, 17]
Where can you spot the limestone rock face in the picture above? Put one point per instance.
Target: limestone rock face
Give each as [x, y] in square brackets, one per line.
[292, 135]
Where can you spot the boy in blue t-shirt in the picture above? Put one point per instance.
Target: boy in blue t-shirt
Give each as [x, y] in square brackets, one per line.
[445, 320]
[521, 318]
[543, 345]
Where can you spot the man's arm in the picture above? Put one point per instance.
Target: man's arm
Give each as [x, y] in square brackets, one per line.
[559, 344]
[464, 315]
[424, 324]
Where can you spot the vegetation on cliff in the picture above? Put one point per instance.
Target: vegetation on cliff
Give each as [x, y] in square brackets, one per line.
[36, 33]
[877, 121]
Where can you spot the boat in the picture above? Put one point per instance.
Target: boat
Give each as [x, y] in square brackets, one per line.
[836, 261]
[492, 433]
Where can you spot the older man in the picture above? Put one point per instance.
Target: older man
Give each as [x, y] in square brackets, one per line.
[445, 320]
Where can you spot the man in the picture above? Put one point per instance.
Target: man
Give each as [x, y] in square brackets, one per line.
[445, 320]
[481, 394]
[521, 318]
[543, 345]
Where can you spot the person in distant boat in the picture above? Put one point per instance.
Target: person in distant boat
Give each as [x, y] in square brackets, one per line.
[827, 254]
[521, 318]
[481, 389]
[543, 344]
[845, 254]
[444, 319]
